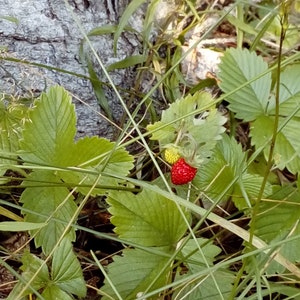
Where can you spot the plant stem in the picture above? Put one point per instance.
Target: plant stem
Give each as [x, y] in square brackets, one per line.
[240, 16]
[284, 22]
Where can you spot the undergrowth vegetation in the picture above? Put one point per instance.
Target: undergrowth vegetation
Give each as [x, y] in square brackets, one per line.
[203, 196]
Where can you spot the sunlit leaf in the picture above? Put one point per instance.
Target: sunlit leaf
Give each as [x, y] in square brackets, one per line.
[238, 67]
[254, 103]
[196, 119]
[51, 129]
[97, 155]
[96, 152]
[52, 142]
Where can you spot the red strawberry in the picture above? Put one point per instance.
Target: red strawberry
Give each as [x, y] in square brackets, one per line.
[182, 172]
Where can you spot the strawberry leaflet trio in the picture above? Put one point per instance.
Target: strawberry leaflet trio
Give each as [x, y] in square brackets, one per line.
[187, 133]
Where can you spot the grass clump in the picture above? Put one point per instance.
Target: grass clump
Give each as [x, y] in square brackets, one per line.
[102, 219]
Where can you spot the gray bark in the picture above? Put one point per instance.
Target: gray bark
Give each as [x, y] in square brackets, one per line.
[47, 33]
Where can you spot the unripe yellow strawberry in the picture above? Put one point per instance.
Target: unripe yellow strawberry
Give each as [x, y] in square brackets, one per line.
[171, 155]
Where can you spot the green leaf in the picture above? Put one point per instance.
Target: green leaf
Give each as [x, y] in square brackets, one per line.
[227, 162]
[214, 177]
[19, 226]
[12, 118]
[149, 20]
[238, 67]
[66, 271]
[44, 204]
[98, 89]
[89, 151]
[9, 214]
[264, 25]
[163, 132]
[274, 33]
[133, 272]
[287, 147]
[217, 285]
[292, 292]
[30, 266]
[277, 220]
[226, 171]
[97, 155]
[97, 152]
[241, 25]
[51, 142]
[10, 19]
[249, 185]
[289, 94]
[39, 279]
[105, 157]
[126, 15]
[147, 218]
[127, 62]
[253, 103]
[195, 120]
[66, 275]
[106, 29]
[204, 257]
[54, 292]
[48, 137]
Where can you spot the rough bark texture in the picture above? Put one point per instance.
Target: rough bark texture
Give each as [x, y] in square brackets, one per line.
[47, 33]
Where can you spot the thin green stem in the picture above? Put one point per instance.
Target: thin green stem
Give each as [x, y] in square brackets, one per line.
[240, 16]
[283, 21]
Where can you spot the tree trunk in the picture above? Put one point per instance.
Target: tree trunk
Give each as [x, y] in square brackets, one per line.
[45, 32]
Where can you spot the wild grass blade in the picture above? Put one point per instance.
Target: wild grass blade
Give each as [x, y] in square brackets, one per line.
[98, 89]
[127, 62]
[129, 11]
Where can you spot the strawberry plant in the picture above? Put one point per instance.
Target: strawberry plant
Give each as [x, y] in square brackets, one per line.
[216, 219]
[187, 133]
[58, 163]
